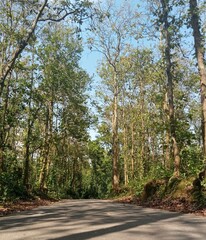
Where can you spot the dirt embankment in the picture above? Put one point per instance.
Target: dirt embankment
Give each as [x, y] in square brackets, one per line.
[173, 194]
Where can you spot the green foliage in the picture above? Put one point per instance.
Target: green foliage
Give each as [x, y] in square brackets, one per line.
[159, 171]
[44, 115]
[101, 174]
[191, 160]
[11, 186]
[44, 120]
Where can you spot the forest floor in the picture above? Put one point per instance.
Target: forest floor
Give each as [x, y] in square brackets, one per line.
[174, 205]
[22, 205]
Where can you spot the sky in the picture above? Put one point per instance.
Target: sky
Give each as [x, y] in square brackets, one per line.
[89, 63]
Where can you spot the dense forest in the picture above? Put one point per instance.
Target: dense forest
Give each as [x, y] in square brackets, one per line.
[148, 105]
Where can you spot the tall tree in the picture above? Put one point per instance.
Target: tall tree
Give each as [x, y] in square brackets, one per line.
[110, 32]
[166, 23]
[199, 42]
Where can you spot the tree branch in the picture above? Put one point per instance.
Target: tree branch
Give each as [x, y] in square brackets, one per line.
[59, 19]
[24, 42]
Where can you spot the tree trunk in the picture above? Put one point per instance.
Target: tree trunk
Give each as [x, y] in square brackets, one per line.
[115, 140]
[47, 145]
[167, 135]
[132, 151]
[200, 52]
[167, 151]
[126, 179]
[125, 147]
[30, 123]
[27, 159]
[143, 165]
[167, 53]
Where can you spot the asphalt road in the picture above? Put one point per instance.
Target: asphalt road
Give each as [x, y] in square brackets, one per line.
[98, 219]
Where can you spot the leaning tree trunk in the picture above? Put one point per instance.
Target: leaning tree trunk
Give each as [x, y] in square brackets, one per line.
[199, 51]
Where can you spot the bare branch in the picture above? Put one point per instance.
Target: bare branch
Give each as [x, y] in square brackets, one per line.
[60, 18]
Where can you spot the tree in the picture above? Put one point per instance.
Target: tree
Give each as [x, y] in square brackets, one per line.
[37, 11]
[195, 22]
[110, 32]
[22, 98]
[44, 107]
[166, 23]
[19, 20]
[63, 86]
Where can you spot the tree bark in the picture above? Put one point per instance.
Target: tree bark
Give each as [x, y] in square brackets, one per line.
[115, 139]
[126, 179]
[142, 164]
[125, 147]
[132, 150]
[200, 52]
[167, 135]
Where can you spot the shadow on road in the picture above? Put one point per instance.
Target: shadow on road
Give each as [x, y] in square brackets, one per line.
[125, 225]
[95, 219]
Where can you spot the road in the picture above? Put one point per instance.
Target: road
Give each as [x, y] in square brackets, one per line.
[99, 219]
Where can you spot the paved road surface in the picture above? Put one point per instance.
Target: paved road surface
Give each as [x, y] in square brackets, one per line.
[98, 219]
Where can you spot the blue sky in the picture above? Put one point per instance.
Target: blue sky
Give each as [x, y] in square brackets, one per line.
[89, 62]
